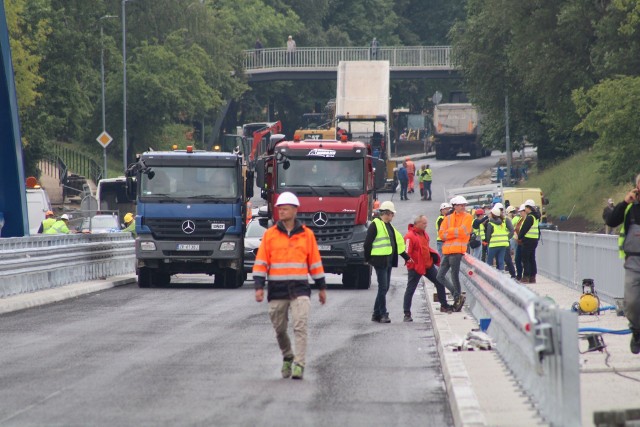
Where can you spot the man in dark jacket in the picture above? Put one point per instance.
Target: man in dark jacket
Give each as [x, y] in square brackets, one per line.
[529, 236]
[403, 177]
[423, 263]
[627, 213]
[382, 246]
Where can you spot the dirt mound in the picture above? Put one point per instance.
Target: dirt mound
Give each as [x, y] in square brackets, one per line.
[578, 225]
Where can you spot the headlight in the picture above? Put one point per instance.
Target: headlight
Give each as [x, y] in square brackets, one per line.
[357, 247]
[147, 246]
[227, 246]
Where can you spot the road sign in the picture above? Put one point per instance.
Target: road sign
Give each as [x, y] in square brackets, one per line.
[104, 139]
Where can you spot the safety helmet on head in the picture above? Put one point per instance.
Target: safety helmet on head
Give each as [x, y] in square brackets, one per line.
[479, 211]
[496, 211]
[445, 205]
[387, 206]
[530, 203]
[521, 208]
[64, 216]
[128, 217]
[511, 209]
[458, 200]
[287, 198]
[49, 213]
[499, 205]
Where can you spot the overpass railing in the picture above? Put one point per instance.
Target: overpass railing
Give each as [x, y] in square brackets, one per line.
[568, 257]
[33, 263]
[424, 57]
[537, 340]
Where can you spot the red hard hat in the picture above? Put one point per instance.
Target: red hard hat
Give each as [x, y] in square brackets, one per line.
[479, 211]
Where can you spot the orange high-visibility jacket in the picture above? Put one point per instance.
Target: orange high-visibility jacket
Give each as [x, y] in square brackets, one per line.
[454, 232]
[283, 257]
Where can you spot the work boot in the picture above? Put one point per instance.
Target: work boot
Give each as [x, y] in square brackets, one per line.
[446, 309]
[286, 368]
[532, 279]
[375, 318]
[407, 317]
[635, 343]
[385, 319]
[525, 279]
[298, 372]
[459, 303]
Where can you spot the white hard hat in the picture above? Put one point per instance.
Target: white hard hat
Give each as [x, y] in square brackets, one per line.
[458, 200]
[530, 203]
[64, 216]
[496, 211]
[521, 208]
[387, 206]
[445, 205]
[499, 205]
[287, 198]
[511, 209]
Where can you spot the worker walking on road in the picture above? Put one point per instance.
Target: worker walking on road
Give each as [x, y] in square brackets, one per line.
[427, 178]
[455, 231]
[423, 263]
[61, 226]
[627, 213]
[529, 236]
[411, 171]
[287, 255]
[382, 245]
[47, 222]
[130, 224]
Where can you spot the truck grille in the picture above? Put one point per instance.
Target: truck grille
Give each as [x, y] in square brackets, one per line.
[171, 229]
[339, 226]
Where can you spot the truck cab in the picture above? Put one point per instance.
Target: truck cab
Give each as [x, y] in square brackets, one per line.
[190, 215]
[335, 182]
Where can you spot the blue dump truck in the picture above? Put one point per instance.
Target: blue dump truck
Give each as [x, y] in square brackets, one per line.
[190, 215]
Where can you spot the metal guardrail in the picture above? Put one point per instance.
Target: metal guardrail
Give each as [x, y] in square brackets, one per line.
[423, 57]
[33, 263]
[77, 162]
[536, 340]
[568, 257]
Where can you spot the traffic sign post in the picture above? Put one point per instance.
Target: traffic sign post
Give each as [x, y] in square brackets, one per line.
[104, 139]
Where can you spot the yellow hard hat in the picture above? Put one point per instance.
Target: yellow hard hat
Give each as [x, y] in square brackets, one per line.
[128, 217]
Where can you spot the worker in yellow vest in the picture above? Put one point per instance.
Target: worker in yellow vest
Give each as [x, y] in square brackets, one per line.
[61, 226]
[47, 222]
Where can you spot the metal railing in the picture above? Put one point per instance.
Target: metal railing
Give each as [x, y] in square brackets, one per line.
[422, 57]
[78, 163]
[568, 257]
[33, 263]
[535, 338]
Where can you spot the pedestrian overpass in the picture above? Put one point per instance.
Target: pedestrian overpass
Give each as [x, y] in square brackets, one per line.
[321, 63]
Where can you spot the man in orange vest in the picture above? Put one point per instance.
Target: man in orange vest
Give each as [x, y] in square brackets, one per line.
[454, 232]
[287, 255]
[411, 170]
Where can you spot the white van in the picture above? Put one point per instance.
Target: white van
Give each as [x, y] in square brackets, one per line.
[37, 206]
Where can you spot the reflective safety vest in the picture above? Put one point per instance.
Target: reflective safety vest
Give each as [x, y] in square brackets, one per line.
[534, 231]
[427, 176]
[382, 243]
[438, 222]
[288, 258]
[131, 228]
[47, 223]
[499, 235]
[58, 227]
[623, 235]
[480, 232]
[455, 231]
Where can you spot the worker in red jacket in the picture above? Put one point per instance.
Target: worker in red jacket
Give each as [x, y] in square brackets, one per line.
[422, 263]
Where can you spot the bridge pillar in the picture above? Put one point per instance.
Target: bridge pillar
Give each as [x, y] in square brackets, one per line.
[13, 205]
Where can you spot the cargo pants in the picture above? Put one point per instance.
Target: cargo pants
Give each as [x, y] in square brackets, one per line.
[279, 315]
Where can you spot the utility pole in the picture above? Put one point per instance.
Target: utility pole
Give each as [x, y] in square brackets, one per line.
[508, 140]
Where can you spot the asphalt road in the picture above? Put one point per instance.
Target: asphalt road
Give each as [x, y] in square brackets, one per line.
[192, 355]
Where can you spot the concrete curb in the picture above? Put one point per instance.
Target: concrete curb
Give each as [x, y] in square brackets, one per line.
[48, 296]
[465, 406]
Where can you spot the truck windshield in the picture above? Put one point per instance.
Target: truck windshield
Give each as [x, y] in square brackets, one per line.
[317, 173]
[190, 182]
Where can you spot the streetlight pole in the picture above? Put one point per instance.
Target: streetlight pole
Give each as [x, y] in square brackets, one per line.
[508, 140]
[104, 124]
[124, 86]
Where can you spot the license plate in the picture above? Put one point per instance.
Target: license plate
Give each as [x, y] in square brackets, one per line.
[217, 226]
[324, 247]
[188, 247]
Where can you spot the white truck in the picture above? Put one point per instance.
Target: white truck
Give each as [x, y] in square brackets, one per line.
[362, 109]
[456, 129]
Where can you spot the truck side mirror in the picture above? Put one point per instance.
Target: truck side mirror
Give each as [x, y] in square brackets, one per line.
[259, 170]
[380, 174]
[249, 184]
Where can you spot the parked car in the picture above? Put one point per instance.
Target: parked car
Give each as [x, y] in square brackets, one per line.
[252, 238]
[99, 224]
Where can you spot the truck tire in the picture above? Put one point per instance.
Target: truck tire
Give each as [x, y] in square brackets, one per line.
[349, 278]
[162, 279]
[439, 155]
[233, 278]
[144, 277]
[364, 277]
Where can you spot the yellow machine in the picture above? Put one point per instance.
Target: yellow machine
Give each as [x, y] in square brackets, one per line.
[589, 302]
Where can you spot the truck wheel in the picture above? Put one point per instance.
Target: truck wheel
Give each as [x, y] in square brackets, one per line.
[162, 279]
[349, 278]
[439, 154]
[364, 277]
[144, 278]
[233, 278]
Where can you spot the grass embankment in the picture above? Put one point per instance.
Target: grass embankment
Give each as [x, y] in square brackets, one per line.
[576, 184]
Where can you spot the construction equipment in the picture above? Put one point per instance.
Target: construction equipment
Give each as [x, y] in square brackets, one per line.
[589, 302]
